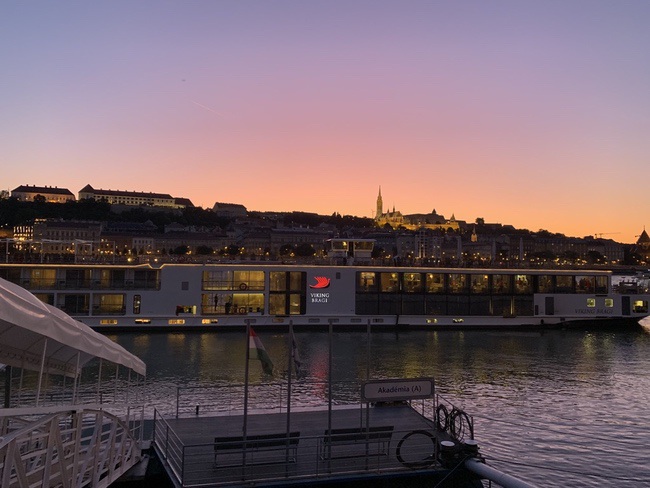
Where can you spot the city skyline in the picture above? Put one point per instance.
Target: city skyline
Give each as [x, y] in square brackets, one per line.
[529, 114]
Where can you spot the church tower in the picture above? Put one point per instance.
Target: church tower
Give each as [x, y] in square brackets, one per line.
[380, 206]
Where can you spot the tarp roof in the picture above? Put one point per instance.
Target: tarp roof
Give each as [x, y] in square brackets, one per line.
[26, 323]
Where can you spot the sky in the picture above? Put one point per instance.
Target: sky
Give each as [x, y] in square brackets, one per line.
[529, 113]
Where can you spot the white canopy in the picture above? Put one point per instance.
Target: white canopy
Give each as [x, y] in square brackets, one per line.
[33, 333]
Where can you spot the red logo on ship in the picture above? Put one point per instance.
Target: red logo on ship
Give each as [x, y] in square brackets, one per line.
[321, 282]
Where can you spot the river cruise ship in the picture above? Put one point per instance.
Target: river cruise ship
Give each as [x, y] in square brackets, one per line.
[226, 295]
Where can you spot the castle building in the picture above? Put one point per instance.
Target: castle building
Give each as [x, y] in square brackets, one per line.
[395, 219]
[133, 198]
[50, 194]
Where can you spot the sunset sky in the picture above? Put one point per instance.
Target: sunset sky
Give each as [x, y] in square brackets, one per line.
[529, 113]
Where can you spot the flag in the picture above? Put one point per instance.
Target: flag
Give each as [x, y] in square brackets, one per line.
[297, 363]
[256, 347]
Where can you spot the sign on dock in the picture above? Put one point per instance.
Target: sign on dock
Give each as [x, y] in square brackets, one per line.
[397, 389]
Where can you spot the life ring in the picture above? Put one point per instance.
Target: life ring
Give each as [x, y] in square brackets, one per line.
[241, 310]
[442, 418]
[458, 419]
[427, 461]
[243, 286]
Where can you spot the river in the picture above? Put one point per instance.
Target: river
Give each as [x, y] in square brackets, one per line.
[555, 408]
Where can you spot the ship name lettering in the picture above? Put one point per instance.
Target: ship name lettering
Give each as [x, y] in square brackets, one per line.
[319, 297]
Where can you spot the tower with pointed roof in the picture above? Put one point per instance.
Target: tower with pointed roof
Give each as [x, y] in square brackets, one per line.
[642, 246]
[380, 206]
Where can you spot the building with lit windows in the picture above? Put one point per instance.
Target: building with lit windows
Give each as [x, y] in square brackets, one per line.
[396, 219]
[133, 198]
[50, 194]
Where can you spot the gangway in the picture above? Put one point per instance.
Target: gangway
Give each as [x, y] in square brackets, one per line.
[59, 427]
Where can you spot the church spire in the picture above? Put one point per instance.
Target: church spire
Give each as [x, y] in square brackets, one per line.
[380, 206]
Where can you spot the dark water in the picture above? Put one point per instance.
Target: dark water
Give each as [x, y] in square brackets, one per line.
[558, 408]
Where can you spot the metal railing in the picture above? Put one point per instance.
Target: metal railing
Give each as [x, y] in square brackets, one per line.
[72, 447]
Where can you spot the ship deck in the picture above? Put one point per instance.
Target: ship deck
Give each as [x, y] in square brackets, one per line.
[406, 445]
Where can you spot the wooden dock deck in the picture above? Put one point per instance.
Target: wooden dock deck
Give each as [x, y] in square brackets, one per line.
[365, 443]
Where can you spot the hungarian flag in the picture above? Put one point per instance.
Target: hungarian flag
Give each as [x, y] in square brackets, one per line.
[297, 363]
[256, 349]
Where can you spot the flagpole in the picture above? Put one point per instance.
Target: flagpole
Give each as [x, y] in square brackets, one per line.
[290, 360]
[248, 332]
[329, 390]
[289, 375]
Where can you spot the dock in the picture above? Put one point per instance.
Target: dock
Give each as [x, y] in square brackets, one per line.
[375, 444]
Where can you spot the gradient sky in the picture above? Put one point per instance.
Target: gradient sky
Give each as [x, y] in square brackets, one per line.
[530, 113]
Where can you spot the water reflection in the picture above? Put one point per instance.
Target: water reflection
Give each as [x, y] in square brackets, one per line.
[559, 408]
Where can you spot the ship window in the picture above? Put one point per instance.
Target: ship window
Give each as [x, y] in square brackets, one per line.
[295, 280]
[435, 283]
[585, 284]
[479, 284]
[544, 284]
[412, 282]
[564, 284]
[249, 280]
[609, 302]
[74, 304]
[45, 297]
[43, 278]
[278, 281]
[523, 284]
[457, 283]
[389, 282]
[294, 304]
[108, 304]
[185, 285]
[501, 284]
[366, 281]
[277, 304]
[601, 284]
[591, 302]
[640, 306]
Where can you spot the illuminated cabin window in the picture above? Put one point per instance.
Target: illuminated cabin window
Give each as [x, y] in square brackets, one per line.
[432, 321]
[412, 282]
[609, 302]
[435, 283]
[585, 284]
[640, 306]
[479, 284]
[142, 321]
[389, 282]
[210, 321]
[176, 321]
[591, 302]
[457, 283]
[523, 284]
[108, 322]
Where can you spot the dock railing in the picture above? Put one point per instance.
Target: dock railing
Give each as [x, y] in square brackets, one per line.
[233, 458]
[347, 453]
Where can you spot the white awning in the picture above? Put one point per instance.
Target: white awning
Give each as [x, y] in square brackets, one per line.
[33, 333]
